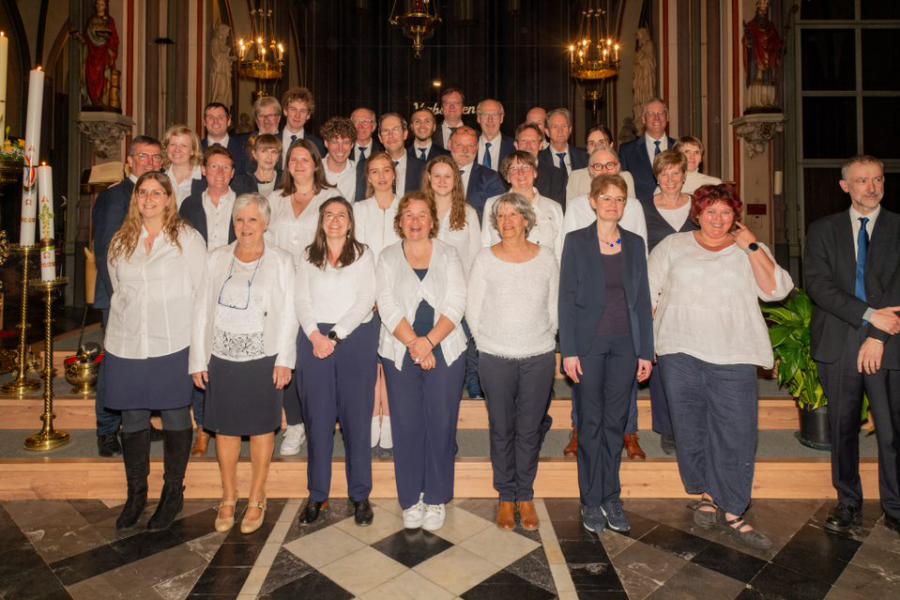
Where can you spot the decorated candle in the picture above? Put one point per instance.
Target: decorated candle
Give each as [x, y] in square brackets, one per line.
[45, 213]
[32, 152]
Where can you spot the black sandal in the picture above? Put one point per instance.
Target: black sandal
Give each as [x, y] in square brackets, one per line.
[751, 537]
[705, 518]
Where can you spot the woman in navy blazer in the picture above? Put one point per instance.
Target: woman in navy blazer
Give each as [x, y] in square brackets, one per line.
[606, 340]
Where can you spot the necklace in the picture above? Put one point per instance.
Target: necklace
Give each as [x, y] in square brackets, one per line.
[618, 242]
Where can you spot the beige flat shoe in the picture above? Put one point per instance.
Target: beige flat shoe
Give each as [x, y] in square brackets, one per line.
[224, 524]
[248, 526]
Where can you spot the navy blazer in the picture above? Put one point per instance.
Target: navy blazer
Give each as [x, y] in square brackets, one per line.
[108, 214]
[484, 183]
[435, 150]
[551, 183]
[415, 168]
[582, 293]
[374, 147]
[577, 156]
[507, 147]
[634, 158]
[237, 145]
[829, 268]
[192, 212]
[245, 183]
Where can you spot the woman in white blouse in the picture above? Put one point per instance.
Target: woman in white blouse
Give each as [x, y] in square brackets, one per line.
[243, 347]
[295, 213]
[520, 170]
[336, 356]
[710, 337]
[421, 291]
[374, 226]
[459, 225]
[156, 263]
[512, 311]
[183, 156]
[692, 148]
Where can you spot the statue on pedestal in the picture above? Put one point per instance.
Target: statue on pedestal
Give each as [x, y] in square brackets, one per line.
[221, 60]
[101, 42]
[643, 83]
[763, 48]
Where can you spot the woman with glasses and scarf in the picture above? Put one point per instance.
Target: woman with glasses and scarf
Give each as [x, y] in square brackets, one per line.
[242, 352]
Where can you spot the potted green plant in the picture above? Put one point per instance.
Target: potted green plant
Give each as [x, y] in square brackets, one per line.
[797, 371]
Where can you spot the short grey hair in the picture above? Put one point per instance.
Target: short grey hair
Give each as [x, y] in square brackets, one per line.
[256, 199]
[607, 150]
[560, 111]
[861, 159]
[521, 204]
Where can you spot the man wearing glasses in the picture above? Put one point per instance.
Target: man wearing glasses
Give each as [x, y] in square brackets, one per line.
[637, 155]
[493, 146]
[550, 182]
[392, 131]
[108, 214]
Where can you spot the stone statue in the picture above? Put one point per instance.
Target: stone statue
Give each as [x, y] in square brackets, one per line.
[643, 83]
[221, 61]
[763, 48]
[102, 49]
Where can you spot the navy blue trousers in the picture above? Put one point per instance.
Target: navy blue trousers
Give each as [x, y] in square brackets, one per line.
[108, 421]
[340, 388]
[715, 416]
[424, 413]
[631, 426]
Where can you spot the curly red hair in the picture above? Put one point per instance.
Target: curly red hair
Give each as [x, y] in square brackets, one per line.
[707, 195]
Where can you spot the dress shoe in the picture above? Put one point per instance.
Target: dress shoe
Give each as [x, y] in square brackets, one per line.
[572, 447]
[506, 515]
[633, 447]
[843, 518]
[528, 516]
[891, 523]
[668, 444]
[108, 445]
[248, 525]
[201, 444]
[362, 513]
[311, 511]
[224, 524]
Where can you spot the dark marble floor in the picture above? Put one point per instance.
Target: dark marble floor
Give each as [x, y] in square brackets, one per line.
[70, 549]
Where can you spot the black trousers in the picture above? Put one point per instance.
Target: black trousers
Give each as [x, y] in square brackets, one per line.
[844, 386]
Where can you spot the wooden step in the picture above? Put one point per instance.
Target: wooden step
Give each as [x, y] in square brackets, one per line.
[104, 479]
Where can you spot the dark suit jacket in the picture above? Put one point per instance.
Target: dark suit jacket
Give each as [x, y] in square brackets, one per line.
[192, 212]
[634, 158]
[551, 183]
[374, 147]
[830, 274]
[435, 150]
[361, 179]
[237, 145]
[483, 184]
[579, 157]
[245, 183]
[582, 293]
[507, 147]
[108, 214]
[414, 170]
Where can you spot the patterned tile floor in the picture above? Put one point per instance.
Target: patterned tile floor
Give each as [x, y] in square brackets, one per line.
[70, 549]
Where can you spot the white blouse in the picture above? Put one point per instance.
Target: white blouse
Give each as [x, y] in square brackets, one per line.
[153, 294]
[344, 296]
[183, 189]
[693, 180]
[345, 180]
[294, 234]
[579, 215]
[547, 231]
[467, 240]
[707, 303]
[375, 227]
[240, 314]
[512, 307]
[399, 292]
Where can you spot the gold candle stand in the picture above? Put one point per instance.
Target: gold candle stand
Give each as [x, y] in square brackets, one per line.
[48, 438]
[22, 383]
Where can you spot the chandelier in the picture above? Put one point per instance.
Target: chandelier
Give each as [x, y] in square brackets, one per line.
[417, 22]
[594, 53]
[261, 57]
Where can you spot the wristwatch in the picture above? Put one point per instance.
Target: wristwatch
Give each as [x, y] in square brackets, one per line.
[752, 247]
[333, 336]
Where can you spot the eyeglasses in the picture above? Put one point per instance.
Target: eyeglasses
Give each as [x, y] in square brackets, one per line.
[144, 157]
[519, 169]
[155, 194]
[608, 198]
[270, 116]
[607, 166]
[246, 303]
[396, 130]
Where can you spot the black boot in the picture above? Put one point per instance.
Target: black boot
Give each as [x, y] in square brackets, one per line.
[136, 453]
[176, 451]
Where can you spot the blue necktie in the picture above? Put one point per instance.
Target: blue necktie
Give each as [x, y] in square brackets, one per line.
[362, 153]
[657, 151]
[424, 154]
[562, 163]
[862, 252]
[486, 161]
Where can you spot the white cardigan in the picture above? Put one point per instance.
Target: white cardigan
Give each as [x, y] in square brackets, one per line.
[276, 275]
[399, 293]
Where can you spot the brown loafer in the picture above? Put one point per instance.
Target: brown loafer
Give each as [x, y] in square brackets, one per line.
[528, 516]
[572, 448]
[506, 516]
[635, 452]
[201, 444]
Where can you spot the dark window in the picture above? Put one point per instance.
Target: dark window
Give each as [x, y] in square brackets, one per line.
[881, 127]
[881, 59]
[830, 9]
[829, 61]
[829, 127]
[823, 194]
[880, 9]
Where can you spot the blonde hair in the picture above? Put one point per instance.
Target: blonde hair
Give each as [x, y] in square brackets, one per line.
[125, 240]
[196, 155]
[457, 195]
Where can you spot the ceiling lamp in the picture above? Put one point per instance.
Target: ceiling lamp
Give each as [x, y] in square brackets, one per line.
[594, 53]
[261, 57]
[417, 22]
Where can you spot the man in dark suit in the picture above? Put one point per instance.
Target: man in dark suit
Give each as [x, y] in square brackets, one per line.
[108, 214]
[209, 211]
[365, 121]
[299, 105]
[479, 183]
[423, 125]
[559, 153]
[852, 268]
[217, 120]
[550, 181]
[393, 131]
[637, 155]
[493, 146]
[452, 106]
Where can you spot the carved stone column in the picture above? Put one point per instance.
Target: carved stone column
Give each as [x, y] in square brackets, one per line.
[105, 131]
[758, 129]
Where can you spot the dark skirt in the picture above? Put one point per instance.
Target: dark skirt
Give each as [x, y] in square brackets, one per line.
[157, 383]
[241, 398]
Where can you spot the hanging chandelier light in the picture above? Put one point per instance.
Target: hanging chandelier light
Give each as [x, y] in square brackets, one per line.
[261, 56]
[594, 53]
[417, 22]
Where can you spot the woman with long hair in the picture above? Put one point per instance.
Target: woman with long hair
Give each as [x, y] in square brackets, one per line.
[459, 225]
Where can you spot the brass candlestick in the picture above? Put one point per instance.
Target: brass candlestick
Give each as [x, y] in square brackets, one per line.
[22, 383]
[48, 438]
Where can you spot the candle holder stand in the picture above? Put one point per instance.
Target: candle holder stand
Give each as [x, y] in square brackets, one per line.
[22, 383]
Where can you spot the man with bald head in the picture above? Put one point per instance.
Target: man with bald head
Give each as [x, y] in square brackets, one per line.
[479, 183]
[549, 182]
[637, 155]
[538, 116]
[493, 146]
[364, 122]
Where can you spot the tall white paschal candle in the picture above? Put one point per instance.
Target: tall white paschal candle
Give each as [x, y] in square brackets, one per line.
[32, 152]
[4, 65]
[45, 214]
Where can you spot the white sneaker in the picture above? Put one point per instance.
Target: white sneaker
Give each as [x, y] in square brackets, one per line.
[386, 440]
[376, 430]
[414, 516]
[294, 436]
[434, 517]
